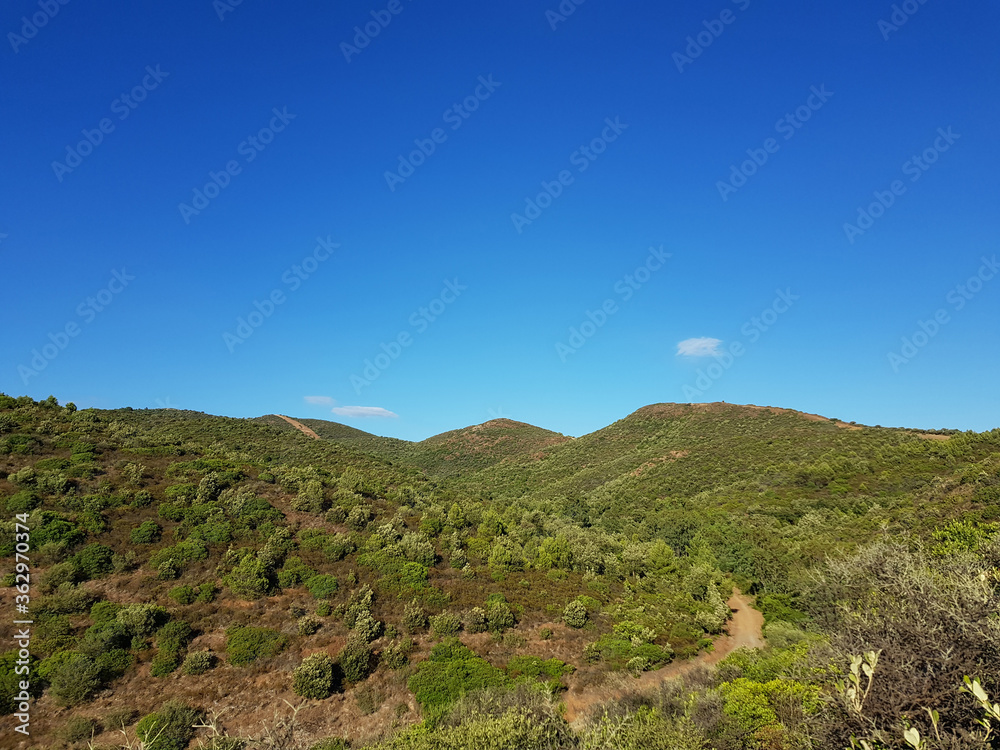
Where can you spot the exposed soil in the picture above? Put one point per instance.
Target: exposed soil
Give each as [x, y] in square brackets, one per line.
[744, 630]
[299, 426]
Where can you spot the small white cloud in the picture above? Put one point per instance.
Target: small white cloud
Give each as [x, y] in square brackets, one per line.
[362, 411]
[703, 347]
[320, 400]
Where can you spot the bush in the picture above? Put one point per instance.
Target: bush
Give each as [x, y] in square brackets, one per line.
[355, 659]
[331, 743]
[452, 671]
[313, 678]
[397, 655]
[72, 677]
[24, 501]
[308, 625]
[499, 616]
[322, 586]
[414, 617]
[475, 620]
[142, 619]
[445, 625]
[10, 682]
[207, 592]
[575, 614]
[148, 532]
[170, 728]
[183, 594]
[248, 644]
[251, 579]
[198, 662]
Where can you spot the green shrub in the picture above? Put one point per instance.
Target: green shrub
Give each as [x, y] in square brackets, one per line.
[10, 682]
[148, 532]
[73, 677]
[445, 625]
[198, 662]
[170, 728]
[451, 671]
[251, 579]
[499, 616]
[414, 617]
[184, 594]
[307, 625]
[355, 659]
[331, 743]
[313, 678]
[24, 501]
[207, 592]
[397, 655]
[142, 619]
[246, 644]
[322, 586]
[575, 614]
[114, 663]
[104, 612]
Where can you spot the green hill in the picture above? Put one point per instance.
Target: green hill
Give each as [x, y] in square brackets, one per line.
[226, 564]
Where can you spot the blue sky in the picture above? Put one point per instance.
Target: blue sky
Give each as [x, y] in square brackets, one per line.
[507, 210]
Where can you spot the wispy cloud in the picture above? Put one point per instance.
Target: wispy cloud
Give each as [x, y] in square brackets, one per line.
[703, 347]
[320, 400]
[362, 411]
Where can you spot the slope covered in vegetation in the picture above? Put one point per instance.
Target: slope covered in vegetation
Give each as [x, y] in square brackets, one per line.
[195, 570]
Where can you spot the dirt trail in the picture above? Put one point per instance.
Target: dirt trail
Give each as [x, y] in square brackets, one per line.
[299, 426]
[744, 630]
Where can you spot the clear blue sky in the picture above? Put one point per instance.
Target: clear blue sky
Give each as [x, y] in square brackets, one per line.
[864, 99]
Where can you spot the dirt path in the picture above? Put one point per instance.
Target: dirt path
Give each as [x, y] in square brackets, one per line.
[744, 630]
[299, 426]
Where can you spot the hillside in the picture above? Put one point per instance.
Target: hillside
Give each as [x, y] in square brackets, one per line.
[229, 565]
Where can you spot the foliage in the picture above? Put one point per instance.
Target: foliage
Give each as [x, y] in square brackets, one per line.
[169, 728]
[246, 644]
[314, 677]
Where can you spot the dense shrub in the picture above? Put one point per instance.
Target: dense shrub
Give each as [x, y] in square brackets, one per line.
[314, 678]
[451, 671]
[322, 586]
[72, 677]
[575, 614]
[184, 594]
[355, 659]
[198, 662]
[148, 532]
[94, 561]
[251, 579]
[245, 644]
[445, 625]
